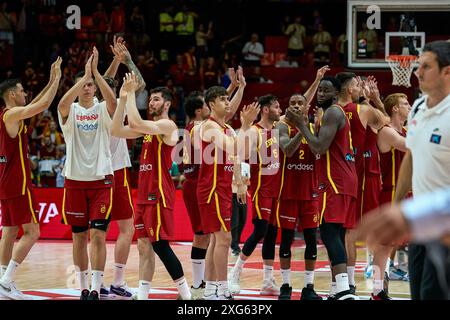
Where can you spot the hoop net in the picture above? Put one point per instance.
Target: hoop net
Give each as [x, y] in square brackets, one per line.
[401, 67]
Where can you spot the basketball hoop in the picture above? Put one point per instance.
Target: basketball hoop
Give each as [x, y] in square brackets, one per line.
[401, 66]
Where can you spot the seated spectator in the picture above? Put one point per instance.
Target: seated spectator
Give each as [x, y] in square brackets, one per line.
[47, 159]
[289, 63]
[177, 177]
[56, 136]
[296, 33]
[253, 52]
[257, 77]
[322, 42]
[209, 74]
[58, 167]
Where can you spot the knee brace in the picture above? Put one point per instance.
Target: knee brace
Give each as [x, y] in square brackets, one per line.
[99, 224]
[259, 231]
[76, 229]
[268, 248]
[198, 253]
[287, 236]
[331, 237]
[168, 258]
[311, 244]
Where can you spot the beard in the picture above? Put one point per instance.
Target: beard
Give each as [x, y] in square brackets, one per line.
[156, 113]
[326, 103]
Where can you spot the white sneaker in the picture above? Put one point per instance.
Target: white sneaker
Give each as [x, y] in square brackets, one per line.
[197, 293]
[234, 279]
[10, 291]
[226, 295]
[270, 288]
[209, 296]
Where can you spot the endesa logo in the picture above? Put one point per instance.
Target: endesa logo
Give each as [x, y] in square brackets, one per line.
[145, 167]
[300, 167]
[87, 126]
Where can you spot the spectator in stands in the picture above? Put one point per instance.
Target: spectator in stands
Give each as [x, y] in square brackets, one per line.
[57, 168]
[201, 38]
[55, 136]
[101, 21]
[253, 52]
[371, 38]
[51, 24]
[296, 33]
[47, 157]
[117, 18]
[284, 24]
[209, 74]
[176, 175]
[317, 21]
[184, 28]
[340, 47]
[7, 24]
[166, 33]
[178, 70]
[257, 77]
[321, 42]
[140, 38]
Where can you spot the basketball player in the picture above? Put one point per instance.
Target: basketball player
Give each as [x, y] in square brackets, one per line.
[156, 193]
[88, 187]
[122, 209]
[264, 185]
[198, 111]
[17, 201]
[391, 143]
[298, 201]
[337, 178]
[220, 161]
[360, 116]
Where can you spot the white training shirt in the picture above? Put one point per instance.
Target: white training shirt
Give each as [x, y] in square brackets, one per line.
[119, 149]
[428, 138]
[87, 133]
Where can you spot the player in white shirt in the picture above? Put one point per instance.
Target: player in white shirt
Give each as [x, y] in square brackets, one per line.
[88, 172]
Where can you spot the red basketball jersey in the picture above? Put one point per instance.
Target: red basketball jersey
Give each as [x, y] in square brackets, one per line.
[371, 154]
[216, 172]
[299, 175]
[264, 175]
[390, 166]
[190, 153]
[358, 137]
[155, 182]
[337, 166]
[15, 174]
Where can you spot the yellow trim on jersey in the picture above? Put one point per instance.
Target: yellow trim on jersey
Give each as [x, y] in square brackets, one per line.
[324, 205]
[110, 203]
[393, 174]
[358, 108]
[64, 208]
[219, 215]
[277, 214]
[363, 188]
[158, 219]
[214, 176]
[160, 142]
[22, 161]
[125, 182]
[329, 173]
[258, 186]
[31, 206]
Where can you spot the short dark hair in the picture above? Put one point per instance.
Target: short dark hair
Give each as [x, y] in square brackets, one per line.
[268, 99]
[441, 49]
[345, 77]
[298, 94]
[7, 85]
[335, 82]
[214, 92]
[165, 93]
[192, 104]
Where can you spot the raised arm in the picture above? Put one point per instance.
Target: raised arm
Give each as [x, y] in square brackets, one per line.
[333, 119]
[288, 145]
[70, 96]
[106, 91]
[234, 82]
[389, 138]
[311, 92]
[16, 114]
[122, 55]
[237, 98]
[118, 129]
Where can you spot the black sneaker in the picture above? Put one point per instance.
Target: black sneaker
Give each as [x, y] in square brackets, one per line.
[308, 293]
[285, 292]
[84, 294]
[345, 295]
[352, 289]
[382, 295]
[331, 297]
[93, 295]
